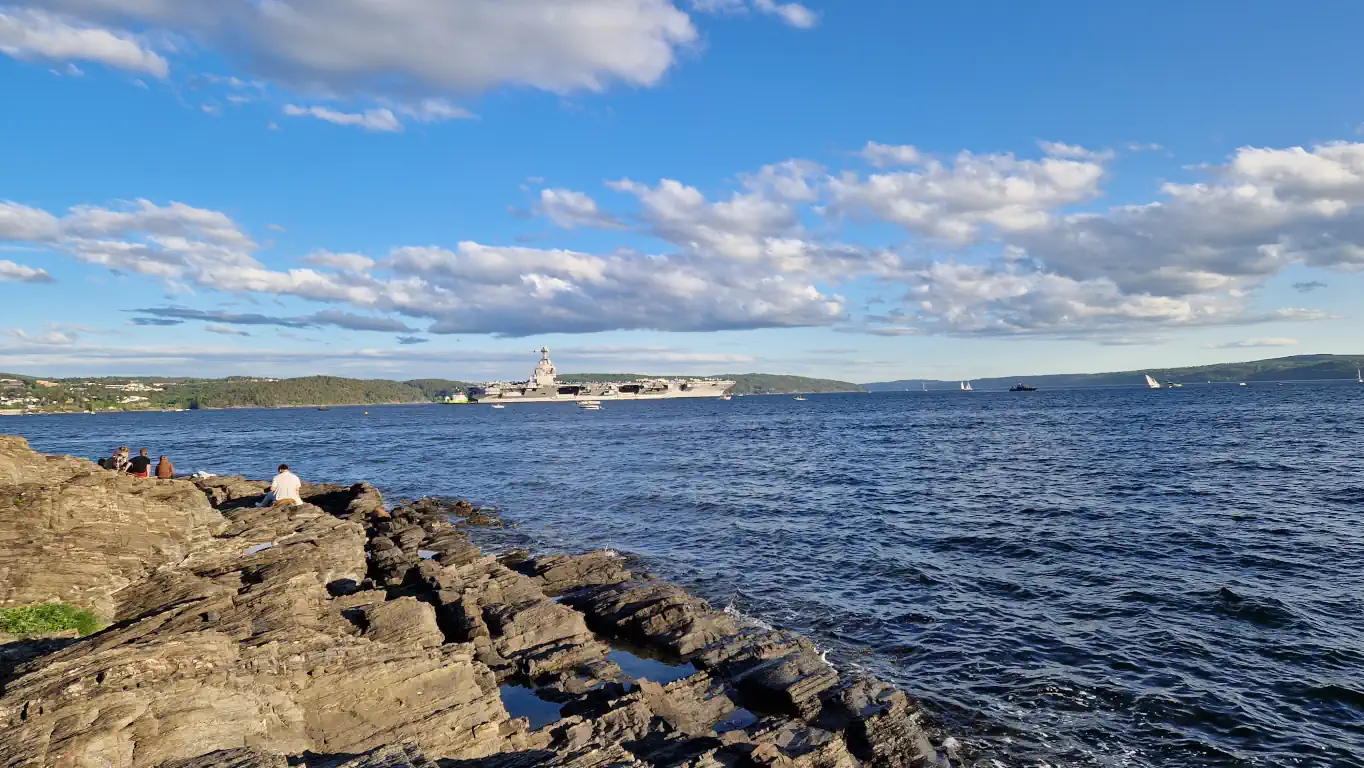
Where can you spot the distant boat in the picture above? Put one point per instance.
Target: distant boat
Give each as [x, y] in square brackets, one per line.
[499, 405]
[726, 397]
[323, 408]
[924, 384]
[1359, 376]
[1243, 384]
[1021, 387]
[1173, 385]
[1151, 383]
[966, 386]
[589, 405]
[801, 398]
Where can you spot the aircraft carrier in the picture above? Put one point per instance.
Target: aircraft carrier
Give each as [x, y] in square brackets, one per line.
[544, 387]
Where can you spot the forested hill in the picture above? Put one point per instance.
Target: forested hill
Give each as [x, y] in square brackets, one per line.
[1295, 368]
[135, 393]
[744, 383]
[234, 392]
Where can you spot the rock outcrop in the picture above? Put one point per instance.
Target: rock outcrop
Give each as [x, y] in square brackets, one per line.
[339, 633]
[72, 532]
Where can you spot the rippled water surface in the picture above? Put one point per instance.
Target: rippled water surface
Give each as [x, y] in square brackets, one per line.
[1089, 577]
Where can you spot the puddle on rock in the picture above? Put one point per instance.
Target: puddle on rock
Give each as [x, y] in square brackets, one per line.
[427, 554]
[645, 668]
[522, 702]
[737, 720]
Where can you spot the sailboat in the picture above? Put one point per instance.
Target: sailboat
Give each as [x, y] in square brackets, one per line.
[1359, 376]
[966, 386]
[1151, 383]
[924, 384]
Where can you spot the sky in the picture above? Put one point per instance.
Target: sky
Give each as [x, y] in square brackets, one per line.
[856, 189]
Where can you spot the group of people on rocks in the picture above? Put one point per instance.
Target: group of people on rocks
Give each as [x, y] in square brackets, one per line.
[139, 465]
[285, 488]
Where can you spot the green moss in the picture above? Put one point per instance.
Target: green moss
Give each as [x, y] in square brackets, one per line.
[47, 618]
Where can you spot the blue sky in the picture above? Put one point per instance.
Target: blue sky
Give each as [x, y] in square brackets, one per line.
[865, 190]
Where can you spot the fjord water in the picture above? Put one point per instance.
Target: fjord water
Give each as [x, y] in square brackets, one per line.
[1087, 577]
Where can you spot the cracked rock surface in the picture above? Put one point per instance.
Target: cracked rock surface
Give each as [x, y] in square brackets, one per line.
[341, 632]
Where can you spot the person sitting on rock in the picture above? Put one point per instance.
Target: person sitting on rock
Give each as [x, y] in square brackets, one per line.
[119, 460]
[140, 465]
[165, 470]
[284, 489]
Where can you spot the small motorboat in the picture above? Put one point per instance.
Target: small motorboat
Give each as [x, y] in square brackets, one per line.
[1243, 384]
[799, 398]
[726, 397]
[1021, 387]
[499, 405]
[323, 408]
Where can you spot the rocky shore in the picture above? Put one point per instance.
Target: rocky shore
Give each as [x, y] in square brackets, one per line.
[342, 633]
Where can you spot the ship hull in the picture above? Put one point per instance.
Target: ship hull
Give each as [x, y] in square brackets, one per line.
[579, 393]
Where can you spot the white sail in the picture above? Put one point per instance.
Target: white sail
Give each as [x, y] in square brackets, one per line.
[1359, 375]
[963, 386]
[1152, 383]
[968, 387]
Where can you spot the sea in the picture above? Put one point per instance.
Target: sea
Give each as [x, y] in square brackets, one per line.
[1087, 577]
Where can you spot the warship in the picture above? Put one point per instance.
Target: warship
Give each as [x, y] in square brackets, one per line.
[544, 387]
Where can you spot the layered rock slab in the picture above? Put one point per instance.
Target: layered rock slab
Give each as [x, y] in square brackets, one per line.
[75, 533]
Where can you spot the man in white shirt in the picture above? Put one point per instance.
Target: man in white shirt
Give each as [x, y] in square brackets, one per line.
[284, 489]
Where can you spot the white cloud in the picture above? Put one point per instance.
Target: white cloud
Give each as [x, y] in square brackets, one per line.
[21, 223]
[571, 210]
[225, 330]
[352, 262]
[988, 252]
[426, 47]
[49, 338]
[793, 14]
[1074, 151]
[35, 34]
[884, 155]
[381, 120]
[434, 111]
[11, 272]
[1258, 342]
[955, 202]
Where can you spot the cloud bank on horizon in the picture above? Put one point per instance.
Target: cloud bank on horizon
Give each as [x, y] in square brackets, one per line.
[886, 239]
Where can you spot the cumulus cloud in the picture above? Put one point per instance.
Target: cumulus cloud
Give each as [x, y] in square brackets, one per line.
[352, 262]
[885, 155]
[1264, 210]
[429, 48]
[11, 272]
[1252, 343]
[571, 210]
[956, 201]
[21, 223]
[988, 249]
[38, 35]
[381, 120]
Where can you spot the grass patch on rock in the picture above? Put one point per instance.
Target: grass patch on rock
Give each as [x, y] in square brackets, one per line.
[48, 618]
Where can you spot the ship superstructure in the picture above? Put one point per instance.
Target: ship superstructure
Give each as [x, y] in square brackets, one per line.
[544, 386]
